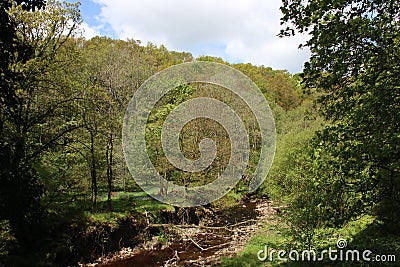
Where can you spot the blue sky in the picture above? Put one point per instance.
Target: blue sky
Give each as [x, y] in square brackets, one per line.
[89, 11]
[236, 30]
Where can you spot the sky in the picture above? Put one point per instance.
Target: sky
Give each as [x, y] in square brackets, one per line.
[238, 31]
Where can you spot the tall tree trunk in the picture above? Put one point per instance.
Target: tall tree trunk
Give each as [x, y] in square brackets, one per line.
[93, 172]
[109, 156]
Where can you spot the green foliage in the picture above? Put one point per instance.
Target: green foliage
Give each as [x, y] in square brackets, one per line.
[312, 197]
[364, 233]
[37, 40]
[270, 236]
[212, 59]
[6, 237]
[278, 86]
[354, 66]
[63, 100]
[293, 180]
[231, 199]
[196, 130]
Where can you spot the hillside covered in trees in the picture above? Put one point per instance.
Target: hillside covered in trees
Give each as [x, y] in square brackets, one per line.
[67, 196]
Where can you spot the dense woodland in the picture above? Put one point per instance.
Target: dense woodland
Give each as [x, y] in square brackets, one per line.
[63, 176]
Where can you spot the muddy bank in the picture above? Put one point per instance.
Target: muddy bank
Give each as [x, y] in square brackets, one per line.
[202, 241]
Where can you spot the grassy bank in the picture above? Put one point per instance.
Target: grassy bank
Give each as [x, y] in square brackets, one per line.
[73, 230]
[365, 233]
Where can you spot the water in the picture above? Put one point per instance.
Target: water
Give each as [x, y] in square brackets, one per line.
[210, 240]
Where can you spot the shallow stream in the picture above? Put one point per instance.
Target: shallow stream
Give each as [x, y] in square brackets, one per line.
[205, 244]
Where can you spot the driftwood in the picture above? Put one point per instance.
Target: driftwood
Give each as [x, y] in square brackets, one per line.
[173, 260]
[226, 240]
[237, 237]
[227, 227]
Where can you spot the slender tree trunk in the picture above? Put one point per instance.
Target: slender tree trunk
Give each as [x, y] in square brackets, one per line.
[93, 172]
[109, 156]
[126, 173]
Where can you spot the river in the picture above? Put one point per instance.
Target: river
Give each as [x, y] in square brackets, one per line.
[206, 243]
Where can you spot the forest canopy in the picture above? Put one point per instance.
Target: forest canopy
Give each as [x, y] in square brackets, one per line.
[63, 99]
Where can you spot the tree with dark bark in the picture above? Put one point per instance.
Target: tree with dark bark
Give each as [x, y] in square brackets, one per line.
[30, 101]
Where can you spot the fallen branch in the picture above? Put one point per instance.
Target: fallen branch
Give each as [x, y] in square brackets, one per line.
[227, 227]
[218, 246]
[194, 242]
[174, 258]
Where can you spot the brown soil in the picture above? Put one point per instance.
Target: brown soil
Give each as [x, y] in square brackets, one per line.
[219, 234]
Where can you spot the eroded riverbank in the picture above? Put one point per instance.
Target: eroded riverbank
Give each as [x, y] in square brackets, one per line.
[196, 242]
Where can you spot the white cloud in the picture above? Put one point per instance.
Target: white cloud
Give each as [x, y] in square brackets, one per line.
[88, 31]
[236, 30]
